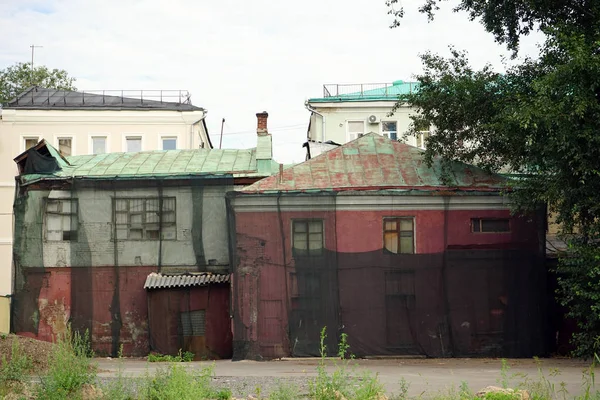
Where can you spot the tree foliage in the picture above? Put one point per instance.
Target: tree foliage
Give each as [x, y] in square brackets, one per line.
[17, 78]
[539, 118]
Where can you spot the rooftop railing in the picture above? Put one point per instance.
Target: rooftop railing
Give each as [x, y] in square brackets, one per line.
[104, 96]
[369, 89]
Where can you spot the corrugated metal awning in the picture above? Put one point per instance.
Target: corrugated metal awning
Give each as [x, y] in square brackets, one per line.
[160, 281]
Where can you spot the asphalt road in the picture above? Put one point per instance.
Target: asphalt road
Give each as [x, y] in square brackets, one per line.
[425, 376]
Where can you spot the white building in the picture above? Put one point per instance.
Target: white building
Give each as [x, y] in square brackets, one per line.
[346, 112]
[80, 123]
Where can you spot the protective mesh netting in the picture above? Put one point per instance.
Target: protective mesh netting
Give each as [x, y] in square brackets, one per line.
[458, 302]
[84, 248]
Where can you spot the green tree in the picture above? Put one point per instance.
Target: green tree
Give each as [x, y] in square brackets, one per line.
[539, 118]
[17, 78]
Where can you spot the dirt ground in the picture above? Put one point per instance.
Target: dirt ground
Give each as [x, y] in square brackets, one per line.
[36, 350]
[425, 376]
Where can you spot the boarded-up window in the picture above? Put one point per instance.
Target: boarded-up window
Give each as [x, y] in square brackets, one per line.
[355, 129]
[142, 219]
[399, 235]
[308, 237]
[490, 225]
[61, 219]
[193, 323]
[134, 144]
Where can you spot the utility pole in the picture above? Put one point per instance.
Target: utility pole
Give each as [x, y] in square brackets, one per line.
[221, 140]
[33, 46]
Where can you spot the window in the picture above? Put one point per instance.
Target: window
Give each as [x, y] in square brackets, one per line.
[399, 235]
[355, 129]
[65, 146]
[98, 144]
[193, 323]
[490, 225]
[422, 139]
[308, 237]
[134, 144]
[61, 219]
[29, 142]
[389, 129]
[400, 300]
[423, 133]
[141, 219]
[169, 143]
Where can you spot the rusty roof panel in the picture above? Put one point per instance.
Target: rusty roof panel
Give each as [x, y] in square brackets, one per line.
[375, 162]
[160, 281]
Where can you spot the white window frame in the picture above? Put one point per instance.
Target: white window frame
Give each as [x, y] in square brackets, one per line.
[91, 137]
[73, 215]
[383, 132]
[26, 137]
[348, 137]
[165, 136]
[133, 136]
[58, 137]
[128, 226]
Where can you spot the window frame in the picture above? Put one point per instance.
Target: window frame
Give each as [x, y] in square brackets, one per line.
[399, 232]
[307, 252]
[58, 138]
[364, 130]
[72, 214]
[161, 223]
[168, 137]
[481, 231]
[383, 132]
[106, 137]
[24, 138]
[133, 136]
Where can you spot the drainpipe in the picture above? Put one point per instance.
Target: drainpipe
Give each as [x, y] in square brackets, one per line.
[312, 110]
[192, 128]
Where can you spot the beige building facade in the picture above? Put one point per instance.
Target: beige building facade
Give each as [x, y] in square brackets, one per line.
[346, 112]
[80, 123]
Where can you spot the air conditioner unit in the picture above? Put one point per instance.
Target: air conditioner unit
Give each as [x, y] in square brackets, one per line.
[373, 119]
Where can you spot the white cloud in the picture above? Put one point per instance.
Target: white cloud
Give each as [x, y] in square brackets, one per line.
[236, 57]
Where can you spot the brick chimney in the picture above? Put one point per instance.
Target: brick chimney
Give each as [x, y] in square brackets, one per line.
[264, 145]
[261, 127]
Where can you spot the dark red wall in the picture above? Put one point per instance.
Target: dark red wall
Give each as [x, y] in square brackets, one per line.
[86, 297]
[263, 289]
[164, 307]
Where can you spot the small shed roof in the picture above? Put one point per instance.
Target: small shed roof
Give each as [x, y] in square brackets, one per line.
[160, 281]
[374, 162]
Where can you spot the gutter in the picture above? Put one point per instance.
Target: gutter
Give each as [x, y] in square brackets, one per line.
[312, 110]
[204, 112]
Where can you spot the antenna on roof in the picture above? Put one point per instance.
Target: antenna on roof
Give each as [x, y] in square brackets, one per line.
[221, 139]
[33, 46]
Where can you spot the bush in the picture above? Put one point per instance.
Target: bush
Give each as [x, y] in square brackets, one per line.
[285, 391]
[69, 367]
[176, 382]
[16, 368]
[186, 356]
[342, 383]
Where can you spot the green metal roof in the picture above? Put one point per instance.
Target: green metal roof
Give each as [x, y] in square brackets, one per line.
[384, 93]
[374, 162]
[168, 164]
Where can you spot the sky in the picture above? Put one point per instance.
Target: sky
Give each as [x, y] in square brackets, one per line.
[237, 58]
